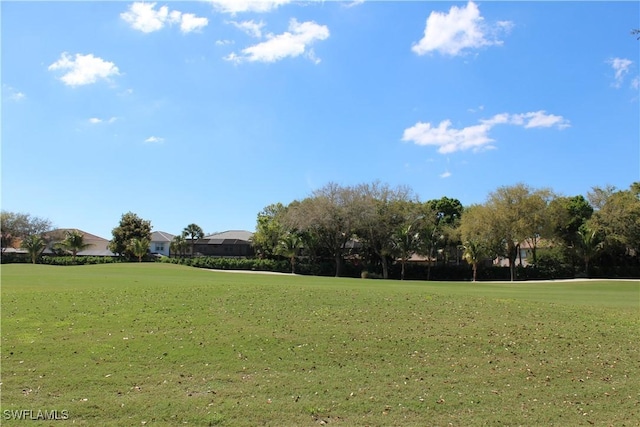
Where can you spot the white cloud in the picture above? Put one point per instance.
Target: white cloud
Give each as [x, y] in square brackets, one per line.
[635, 83]
[83, 69]
[447, 138]
[502, 118]
[224, 42]
[311, 56]
[503, 26]
[154, 140]
[254, 29]
[191, 22]
[446, 174]
[144, 17]
[462, 28]
[476, 137]
[233, 57]
[237, 6]
[292, 43]
[353, 3]
[12, 93]
[540, 119]
[96, 120]
[174, 17]
[621, 67]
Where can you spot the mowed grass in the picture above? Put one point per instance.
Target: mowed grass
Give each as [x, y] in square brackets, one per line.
[159, 344]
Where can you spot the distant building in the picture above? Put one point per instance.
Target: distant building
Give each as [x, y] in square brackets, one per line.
[161, 243]
[232, 243]
[97, 245]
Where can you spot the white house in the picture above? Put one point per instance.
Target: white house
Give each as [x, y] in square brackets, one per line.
[160, 242]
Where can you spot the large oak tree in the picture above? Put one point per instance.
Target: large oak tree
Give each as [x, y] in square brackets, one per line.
[512, 215]
[383, 211]
[330, 216]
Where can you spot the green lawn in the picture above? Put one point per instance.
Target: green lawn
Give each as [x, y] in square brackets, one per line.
[161, 344]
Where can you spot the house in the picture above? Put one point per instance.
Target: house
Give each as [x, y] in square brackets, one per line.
[524, 257]
[232, 243]
[161, 243]
[97, 245]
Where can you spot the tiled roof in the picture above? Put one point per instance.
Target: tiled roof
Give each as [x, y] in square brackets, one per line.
[230, 235]
[161, 236]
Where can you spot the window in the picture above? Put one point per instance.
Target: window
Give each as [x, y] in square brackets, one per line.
[159, 247]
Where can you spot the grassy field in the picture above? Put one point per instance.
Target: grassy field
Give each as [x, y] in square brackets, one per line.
[159, 344]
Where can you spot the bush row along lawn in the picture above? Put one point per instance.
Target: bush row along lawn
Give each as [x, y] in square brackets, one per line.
[159, 344]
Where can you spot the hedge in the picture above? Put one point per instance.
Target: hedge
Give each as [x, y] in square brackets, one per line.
[80, 260]
[231, 263]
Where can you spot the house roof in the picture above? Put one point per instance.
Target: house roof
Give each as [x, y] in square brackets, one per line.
[224, 241]
[419, 258]
[12, 250]
[229, 236]
[161, 236]
[60, 233]
[99, 246]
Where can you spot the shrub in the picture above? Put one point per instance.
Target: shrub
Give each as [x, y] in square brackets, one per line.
[15, 258]
[80, 260]
[231, 263]
[554, 263]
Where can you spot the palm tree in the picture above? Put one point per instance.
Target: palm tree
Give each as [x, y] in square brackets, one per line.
[473, 253]
[74, 243]
[406, 243]
[139, 247]
[179, 245]
[195, 232]
[589, 244]
[34, 245]
[288, 247]
[431, 238]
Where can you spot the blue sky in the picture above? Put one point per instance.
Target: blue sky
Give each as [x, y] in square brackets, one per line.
[206, 112]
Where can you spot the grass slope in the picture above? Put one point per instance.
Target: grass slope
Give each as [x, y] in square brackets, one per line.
[159, 344]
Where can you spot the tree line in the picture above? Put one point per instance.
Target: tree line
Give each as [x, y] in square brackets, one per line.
[378, 226]
[385, 224]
